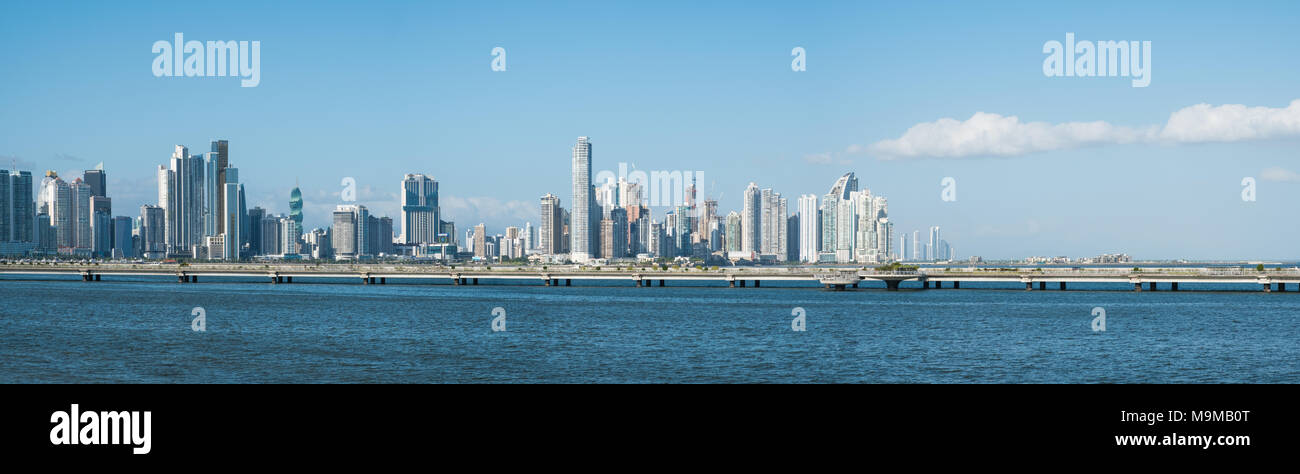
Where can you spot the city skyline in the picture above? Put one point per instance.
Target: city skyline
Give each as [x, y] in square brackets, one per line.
[733, 110]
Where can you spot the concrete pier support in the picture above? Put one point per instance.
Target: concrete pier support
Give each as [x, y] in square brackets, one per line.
[548, 282]
[97, 277]
[661, 283]
[288, 279]
[1173, 286]
[956, 285]
[1268, 288]
[742, 283]
[1029, 286]
[731, 284]
[1062, 286]
[1137, 287]
[365, 280]
[758, 283]
[476, 281]
[891, 285]
[1042, 285]
[638, 283]
[180, 279]
[855, 285]
[382, 280]
[194, 279]
[1151, 286]
[568, 282]
[1281, 287]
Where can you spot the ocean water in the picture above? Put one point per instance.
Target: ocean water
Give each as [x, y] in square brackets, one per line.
[139, 330]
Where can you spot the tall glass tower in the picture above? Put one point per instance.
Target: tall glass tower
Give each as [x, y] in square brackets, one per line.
[580, 229]
[295, 206]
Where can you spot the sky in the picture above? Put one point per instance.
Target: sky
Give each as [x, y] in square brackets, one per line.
[904, 94]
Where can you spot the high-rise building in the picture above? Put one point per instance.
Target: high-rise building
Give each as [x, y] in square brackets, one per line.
[231, 216]
[6, 207]
[734, 230]
[101, 227]
[221, 151]
[614, 234]
[21, 207]
[380, 235]
[211, 203]
[809, 235]
[295, 207]
[935, 241]
[123, 247]
[97, 182]
[153, 231]
[82, 214]
[420, 211]
[254, 221]
[751, 220]
[480, 241]
[583, 234]
[348, 235]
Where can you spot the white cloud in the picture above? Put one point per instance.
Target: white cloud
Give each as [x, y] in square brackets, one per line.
[1231, 122]
[1279, 174]
[818, 159]
[988, 134]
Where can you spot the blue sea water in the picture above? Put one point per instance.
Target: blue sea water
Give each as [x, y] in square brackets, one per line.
[139, 330]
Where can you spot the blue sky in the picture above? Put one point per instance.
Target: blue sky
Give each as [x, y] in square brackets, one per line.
[376, 89]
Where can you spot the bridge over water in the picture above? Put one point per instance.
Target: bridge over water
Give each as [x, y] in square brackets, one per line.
[736, 277]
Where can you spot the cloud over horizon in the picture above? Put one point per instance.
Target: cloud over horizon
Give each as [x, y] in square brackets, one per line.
[990, 134]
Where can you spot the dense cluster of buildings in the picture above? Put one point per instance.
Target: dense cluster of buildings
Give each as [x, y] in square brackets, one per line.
[202, 213]
[611, 221]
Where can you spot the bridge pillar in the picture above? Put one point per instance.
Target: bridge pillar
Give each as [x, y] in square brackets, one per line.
[1137, 286]
[97, 277]
[1062, 286]
[1173, 286]
[1042, 285]
[476, 280]
[1152, 286]
[758, 283]
[956, 285]
[548, 282]
[742, 284]
[1268, 287]
[891, 285]
[638, 282]
[731, 283]
[1281, 287]
[194, 279]
[661, 283]
[365, 280]
[855, 285]
[1029, 286]
[181, 278]
[288, 279]
[382, 280]
[568, 282]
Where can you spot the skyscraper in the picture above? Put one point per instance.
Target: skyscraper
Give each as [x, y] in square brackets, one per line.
[23, 213]
[82, 213]
[153, 231]
[295, 206]
[231, 216]
[935, 243]
[750, 220]
[552, 220]
[221, 149]
[97, 182]
[6, 207]
[582, 232]
[123, 246]
[480, 241]
[809, 238]
[420, 212]
[348, 235]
